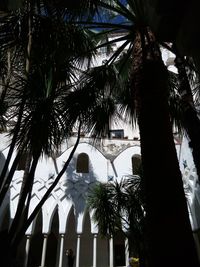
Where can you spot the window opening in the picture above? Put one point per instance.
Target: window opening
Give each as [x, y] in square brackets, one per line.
[82, 165]
[136, 165]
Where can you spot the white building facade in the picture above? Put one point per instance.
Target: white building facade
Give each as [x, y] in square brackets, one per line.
[64, 221]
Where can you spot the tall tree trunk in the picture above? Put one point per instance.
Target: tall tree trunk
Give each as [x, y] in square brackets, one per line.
[27, 186]
[169, 235]
[16, 223]
[168, 226]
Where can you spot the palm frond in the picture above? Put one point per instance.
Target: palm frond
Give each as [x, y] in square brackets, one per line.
[93, 99]
[100, 201]
[43, 126]
[118, 206]
[176, 111]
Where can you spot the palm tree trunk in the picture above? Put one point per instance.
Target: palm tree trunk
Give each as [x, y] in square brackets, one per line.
[168, 226]
[23, 197]
[168, 229]
[19, 218]
[29, 180]
[190, 118]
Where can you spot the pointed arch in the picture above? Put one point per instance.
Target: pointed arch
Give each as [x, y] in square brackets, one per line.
[52, 244]
[86, 251]
[35, 252]
[71, 220]
[70, 236]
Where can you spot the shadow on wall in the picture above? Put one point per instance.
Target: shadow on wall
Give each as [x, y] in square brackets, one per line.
[78, 184]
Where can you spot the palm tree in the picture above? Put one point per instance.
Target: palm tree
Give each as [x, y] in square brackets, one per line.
[187, 113]
[119, 206]
[42, 74]
[26, 34]
[169, 232]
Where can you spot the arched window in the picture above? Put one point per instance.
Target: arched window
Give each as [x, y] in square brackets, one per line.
[136, 164]
[82, 164]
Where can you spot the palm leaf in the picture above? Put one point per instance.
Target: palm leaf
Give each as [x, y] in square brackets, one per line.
[101, 197]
